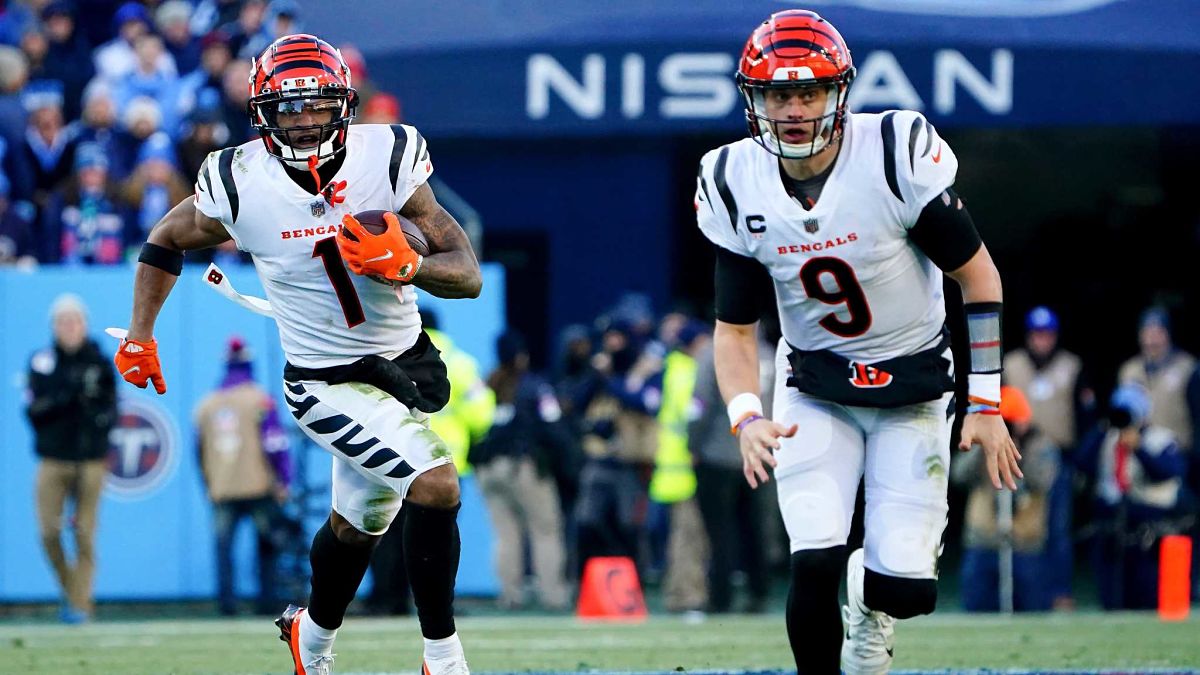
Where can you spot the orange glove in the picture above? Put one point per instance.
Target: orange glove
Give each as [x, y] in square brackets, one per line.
[137, 362]
[387, 254]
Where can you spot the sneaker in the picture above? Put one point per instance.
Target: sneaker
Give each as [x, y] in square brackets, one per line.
[289, 632]
[870, 636]
[451, 666]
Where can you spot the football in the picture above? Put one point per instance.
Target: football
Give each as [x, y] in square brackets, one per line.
[372, 221]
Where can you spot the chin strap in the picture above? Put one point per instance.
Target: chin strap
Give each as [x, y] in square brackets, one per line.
[312, 168]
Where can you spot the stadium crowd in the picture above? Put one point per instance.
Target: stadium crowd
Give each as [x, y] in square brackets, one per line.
[622, 447]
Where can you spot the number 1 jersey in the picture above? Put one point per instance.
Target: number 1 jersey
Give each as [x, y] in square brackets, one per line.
[847, 278]
[327, 315]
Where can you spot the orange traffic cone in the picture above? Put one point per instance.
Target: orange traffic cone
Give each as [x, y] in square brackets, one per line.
[1174, 572]
[611, 591]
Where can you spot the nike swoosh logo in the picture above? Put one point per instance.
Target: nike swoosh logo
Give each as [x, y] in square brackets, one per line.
[890, 651]
[135, 369]
[382, 257]
[937, 156]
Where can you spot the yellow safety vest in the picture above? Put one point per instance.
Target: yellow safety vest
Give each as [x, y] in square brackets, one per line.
[673, 480]
[468, 414]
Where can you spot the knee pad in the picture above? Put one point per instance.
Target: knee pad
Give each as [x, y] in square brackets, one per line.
[899, 597]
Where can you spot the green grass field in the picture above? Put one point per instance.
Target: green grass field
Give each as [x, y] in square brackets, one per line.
[528, 643]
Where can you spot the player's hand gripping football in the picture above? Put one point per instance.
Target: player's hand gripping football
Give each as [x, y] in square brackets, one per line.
[1001, 454]
[386, 254]
[137, 362]
[758, 440]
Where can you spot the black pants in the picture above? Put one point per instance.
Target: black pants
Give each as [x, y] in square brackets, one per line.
[732, 518]
[262, 513]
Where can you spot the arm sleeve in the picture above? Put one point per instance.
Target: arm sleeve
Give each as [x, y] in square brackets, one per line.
[945, 232]
[409, 166]
[918, 164]
[743, 288]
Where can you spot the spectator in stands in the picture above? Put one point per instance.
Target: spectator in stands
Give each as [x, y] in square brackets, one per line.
[154, 188]
[512, 465]
[204, 86]
[382, 108]
[1002, 523]
[246, 466]
[205, 132]
[50, 149]
[15, 19]
[1063, 404]
[173, 18]
[1138, 468]
[236, 95]
[68, 56]
[72, 407]
[14, 73]
[93, 226]
[732, 510]
[673, 483]
[145, 80]
[17, 245]
[117, 58]
[209, 14]
[248, 35]
[283, 18]
[140, 120]
[99, 122]
[94, 19]
[1166, 373]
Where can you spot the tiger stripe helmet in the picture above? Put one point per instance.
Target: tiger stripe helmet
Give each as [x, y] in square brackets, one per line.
[293, 72]
[795, 48]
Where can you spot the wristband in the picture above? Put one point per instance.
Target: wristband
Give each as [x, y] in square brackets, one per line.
[983, 389]
[742, 405]
[750, 417]
[162, 257]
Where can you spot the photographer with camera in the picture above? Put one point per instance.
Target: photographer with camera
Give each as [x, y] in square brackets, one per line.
[72, 406]
[1140, 497]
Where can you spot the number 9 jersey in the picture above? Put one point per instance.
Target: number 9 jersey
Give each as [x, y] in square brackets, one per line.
[327, 316]
[847, 276]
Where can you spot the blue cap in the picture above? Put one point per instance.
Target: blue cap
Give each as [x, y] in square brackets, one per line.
[1134, 398]
[1155, 316]
[1041, 318]
[90, 155]
[131, 11]
[158, 146]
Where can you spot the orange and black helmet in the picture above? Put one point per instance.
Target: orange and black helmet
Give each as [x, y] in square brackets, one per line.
[795, 48]
[294, 73]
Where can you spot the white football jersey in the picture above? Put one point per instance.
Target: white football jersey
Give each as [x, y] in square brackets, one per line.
[847, 277]
[327, 315]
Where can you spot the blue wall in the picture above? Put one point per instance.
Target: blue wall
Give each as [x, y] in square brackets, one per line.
[154, 535]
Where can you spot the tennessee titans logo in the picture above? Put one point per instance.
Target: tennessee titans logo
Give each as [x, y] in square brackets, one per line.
[142, 449]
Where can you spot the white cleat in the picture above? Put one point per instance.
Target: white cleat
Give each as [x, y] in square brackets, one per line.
[451, 666]
[870, 636]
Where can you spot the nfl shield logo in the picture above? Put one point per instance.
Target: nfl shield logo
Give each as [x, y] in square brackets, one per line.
[810, 225]
[318, 208]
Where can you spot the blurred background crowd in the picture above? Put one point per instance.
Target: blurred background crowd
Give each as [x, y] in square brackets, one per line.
[606, 435]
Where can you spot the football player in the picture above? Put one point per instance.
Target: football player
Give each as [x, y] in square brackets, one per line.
[361, 375]
[853, 218]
